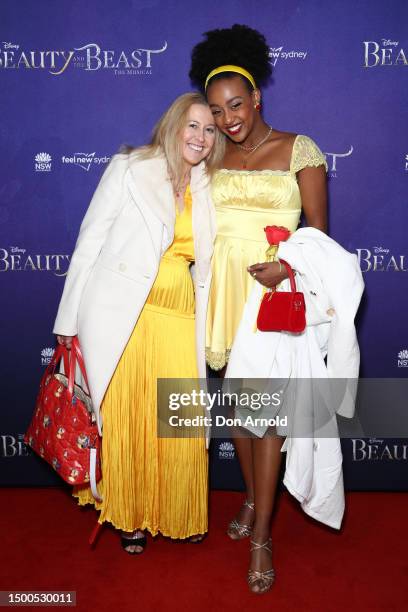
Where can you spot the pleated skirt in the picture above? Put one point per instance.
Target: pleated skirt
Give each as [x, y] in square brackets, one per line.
[152, 483]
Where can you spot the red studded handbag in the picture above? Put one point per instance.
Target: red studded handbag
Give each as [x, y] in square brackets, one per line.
[283, 310]
[63, 429]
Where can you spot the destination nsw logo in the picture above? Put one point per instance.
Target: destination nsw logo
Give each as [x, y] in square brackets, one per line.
[89, 57]
[42, 162]
[226, 450]
[403, 358]
[46, 355]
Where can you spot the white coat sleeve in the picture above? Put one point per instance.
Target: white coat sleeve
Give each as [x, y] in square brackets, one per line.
[103, 209]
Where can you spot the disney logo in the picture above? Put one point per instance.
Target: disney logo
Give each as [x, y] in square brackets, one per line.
[380, 249]
[9, 45]
[374, 440]
[14, 249]
[389, 43]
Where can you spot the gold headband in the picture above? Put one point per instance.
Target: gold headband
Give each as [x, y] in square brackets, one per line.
[231, 68]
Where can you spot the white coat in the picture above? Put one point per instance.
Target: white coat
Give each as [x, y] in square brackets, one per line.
[126, 230]
[331, 281]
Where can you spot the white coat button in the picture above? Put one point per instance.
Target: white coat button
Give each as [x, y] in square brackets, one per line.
[122, 267]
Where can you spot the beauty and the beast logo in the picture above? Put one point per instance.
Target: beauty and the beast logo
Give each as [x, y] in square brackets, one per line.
[16, 259]
[331, 159]
[89, 57]
[387, 52]
[380, 259]
[375, 449]
[12, 445]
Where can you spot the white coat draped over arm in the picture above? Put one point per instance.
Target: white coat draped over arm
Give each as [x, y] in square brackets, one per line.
[331, 281]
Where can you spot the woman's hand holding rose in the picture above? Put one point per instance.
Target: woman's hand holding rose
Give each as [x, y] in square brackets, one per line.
[269, 274]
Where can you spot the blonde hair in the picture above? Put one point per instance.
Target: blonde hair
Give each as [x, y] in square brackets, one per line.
[165, 138]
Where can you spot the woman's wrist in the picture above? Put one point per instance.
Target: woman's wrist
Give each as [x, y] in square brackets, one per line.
[282, 270]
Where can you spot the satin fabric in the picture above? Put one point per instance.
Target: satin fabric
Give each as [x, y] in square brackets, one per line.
[246, 201]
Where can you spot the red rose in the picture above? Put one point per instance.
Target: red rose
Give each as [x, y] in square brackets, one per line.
[275, 234]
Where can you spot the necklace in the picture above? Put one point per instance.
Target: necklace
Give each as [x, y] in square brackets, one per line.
[180, 188]
[179, 192]
[252, 149]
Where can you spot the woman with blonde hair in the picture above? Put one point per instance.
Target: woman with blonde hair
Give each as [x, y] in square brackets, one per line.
[139, 315]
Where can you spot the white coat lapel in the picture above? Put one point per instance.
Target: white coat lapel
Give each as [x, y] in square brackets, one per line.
[204, 228]
[151, 187]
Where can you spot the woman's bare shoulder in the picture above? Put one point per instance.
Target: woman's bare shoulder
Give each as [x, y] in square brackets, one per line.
[286, 139]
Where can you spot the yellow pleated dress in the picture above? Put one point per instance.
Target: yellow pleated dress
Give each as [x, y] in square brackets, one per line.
[157, 484]
[245, 202]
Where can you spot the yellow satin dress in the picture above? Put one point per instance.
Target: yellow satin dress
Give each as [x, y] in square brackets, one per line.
[246, 201]
[158, 484]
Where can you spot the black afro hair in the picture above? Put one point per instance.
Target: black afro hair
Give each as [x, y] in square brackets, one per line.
[239, 45]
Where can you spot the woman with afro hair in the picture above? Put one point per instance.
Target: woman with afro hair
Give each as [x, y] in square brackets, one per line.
[268, 177]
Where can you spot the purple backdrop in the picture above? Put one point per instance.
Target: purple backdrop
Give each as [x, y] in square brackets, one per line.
[77, 80]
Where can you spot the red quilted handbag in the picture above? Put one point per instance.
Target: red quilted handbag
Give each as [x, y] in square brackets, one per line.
[283, 310]
[63, 429]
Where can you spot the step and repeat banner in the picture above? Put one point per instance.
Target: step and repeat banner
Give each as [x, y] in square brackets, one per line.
[80, 79]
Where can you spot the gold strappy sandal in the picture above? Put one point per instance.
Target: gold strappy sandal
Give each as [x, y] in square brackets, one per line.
[264, 580]
[239, 531]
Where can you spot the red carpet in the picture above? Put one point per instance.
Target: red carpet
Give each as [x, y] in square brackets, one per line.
[365, 567]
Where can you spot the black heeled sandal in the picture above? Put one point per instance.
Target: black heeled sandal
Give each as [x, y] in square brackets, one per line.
[196, 539]
[140, 541]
